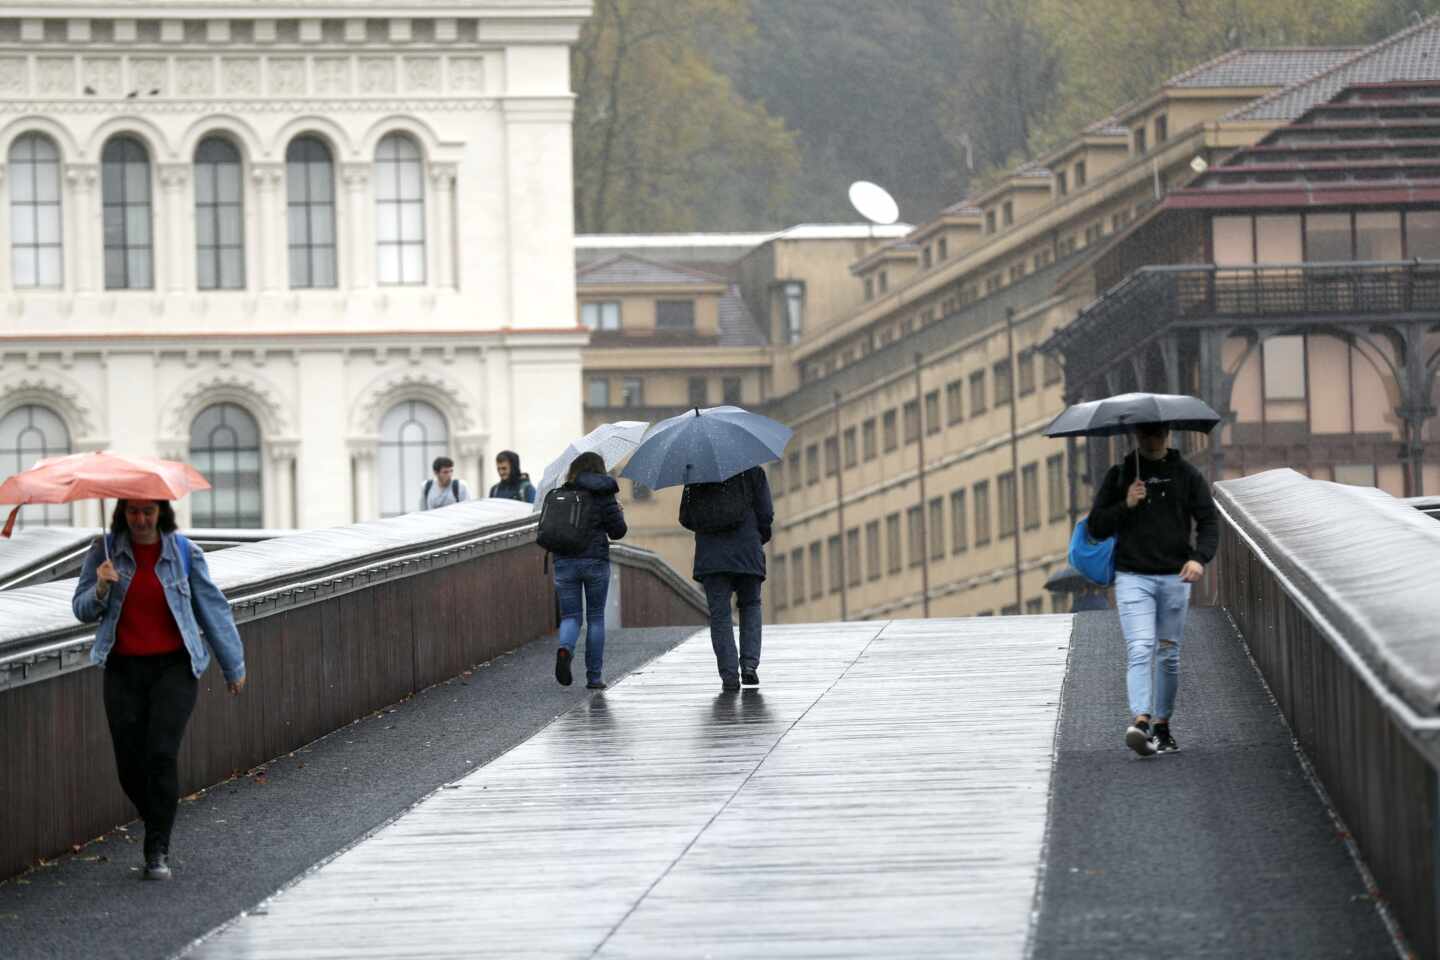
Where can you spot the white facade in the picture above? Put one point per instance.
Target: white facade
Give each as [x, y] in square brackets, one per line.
[159, 290]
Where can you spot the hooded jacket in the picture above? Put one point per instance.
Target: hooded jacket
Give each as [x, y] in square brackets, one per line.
[1156, 536]
[606, 518]
[518, 486]
[740, 552]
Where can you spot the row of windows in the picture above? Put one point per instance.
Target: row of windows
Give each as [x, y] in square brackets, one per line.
[671, 316]
[126, 197]
[225, 447]
[1326, 237]
[920, 532]
[632, 391]
[883, 434]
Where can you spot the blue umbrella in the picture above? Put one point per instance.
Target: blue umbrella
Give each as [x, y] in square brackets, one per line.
[705, 446]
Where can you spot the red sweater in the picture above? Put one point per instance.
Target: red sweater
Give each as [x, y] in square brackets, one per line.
[146, 626]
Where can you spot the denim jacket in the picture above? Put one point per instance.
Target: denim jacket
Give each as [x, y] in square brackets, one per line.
[196, 604]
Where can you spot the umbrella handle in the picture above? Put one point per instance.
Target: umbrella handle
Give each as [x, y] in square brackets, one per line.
[10, 523]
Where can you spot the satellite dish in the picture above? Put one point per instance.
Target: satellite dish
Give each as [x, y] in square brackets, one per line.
[873, 202]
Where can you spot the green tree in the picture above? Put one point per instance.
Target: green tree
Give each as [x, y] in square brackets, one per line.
[1010, 81]
[662, 140]
[864, 84]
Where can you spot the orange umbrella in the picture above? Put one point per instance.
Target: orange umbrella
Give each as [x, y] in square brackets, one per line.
[90, 476]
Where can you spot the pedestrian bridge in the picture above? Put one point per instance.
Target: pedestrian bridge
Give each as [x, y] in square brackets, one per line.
[893, 788]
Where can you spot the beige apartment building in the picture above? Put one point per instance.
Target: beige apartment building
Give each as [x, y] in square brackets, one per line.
[918, 482]
[683, 321]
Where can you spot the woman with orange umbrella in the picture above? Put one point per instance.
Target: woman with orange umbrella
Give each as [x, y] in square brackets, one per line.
[150, 590]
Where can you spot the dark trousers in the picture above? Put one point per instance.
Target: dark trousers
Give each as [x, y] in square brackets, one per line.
[718, 589]
[148, 701]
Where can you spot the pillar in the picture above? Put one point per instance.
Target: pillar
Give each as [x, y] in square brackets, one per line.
[441, 229]
[363, 452]
[540, 210]
[281, 507]
[84, 250]
[271, 233]
[356, 240]
[174, 259]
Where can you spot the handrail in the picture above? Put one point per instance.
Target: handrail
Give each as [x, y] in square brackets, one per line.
[1236, 506]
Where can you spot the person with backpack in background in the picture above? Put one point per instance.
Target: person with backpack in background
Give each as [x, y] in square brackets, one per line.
[150, 589]
[732, 523]
[1159, 510]
[445, 488]
[513, 484]
[577, 522]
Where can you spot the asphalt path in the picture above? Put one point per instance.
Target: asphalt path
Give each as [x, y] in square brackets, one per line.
[1221, 850]
[238, 842]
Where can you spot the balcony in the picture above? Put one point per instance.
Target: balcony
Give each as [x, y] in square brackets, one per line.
[1152, 299]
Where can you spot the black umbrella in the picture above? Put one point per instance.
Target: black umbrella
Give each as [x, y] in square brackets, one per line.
[1068, 580]
[1124, 412]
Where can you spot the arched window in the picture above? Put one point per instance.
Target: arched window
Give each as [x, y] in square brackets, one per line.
[399, 211]
[225, 447]
[219, 216]
[412, 435]
[125, 188]
[36, 252]
[28, 434]
[310, 189]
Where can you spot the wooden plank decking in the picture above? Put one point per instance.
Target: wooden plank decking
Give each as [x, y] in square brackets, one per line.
[882, 794]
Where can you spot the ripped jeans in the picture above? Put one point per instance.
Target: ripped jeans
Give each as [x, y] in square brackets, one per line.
[1152, 617]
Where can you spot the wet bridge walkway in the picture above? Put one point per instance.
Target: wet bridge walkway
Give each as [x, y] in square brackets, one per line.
[887, 792]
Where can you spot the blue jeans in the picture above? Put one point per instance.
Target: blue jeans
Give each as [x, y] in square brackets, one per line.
[1152, 617]
[718, 588]
[581, 582]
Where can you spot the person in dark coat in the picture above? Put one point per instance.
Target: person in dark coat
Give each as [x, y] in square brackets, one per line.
[733, 563]
[513, 484]
[583, 579]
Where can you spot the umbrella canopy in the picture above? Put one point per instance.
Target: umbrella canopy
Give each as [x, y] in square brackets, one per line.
[1067, 580]
[705, 446]
[1122, 413]
[612, 441]
[91, 476]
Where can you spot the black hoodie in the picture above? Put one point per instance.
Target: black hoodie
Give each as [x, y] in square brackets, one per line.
[518, 486]
[1155, 537]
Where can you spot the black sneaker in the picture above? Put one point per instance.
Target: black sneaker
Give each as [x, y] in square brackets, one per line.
[729, 684]
[1164, 743]
[562, 666]
[157, 867]
[1139, 738]
[596, 685]
[749, 678]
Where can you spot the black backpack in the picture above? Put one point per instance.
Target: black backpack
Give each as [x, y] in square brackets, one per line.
[715, 507]
[565, 525]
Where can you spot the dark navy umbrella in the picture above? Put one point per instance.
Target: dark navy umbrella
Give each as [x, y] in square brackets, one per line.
[1067, 580]
[1124, 412]
[705, 446]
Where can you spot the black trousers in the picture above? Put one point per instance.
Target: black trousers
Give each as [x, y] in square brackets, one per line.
[148, 701]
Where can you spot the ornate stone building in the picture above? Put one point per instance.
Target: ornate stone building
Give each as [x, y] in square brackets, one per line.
[307, 248]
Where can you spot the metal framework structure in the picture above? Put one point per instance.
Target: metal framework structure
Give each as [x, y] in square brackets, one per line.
[1164, 329]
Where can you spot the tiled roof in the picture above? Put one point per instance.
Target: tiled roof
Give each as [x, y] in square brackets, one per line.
[1412, 54]
[737, 327]
[625, 269]
[1263, 68]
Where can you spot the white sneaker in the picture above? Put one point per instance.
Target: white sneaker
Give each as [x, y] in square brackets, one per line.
[1140, 739]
